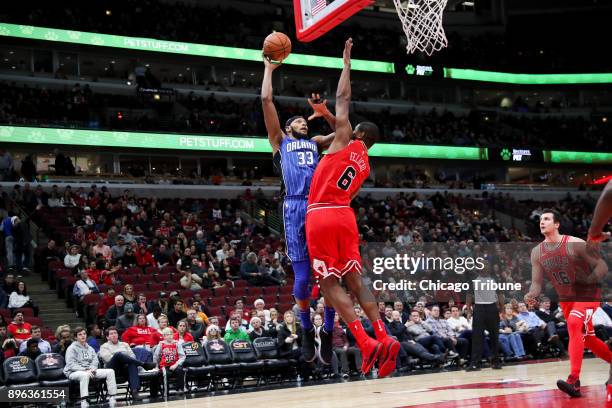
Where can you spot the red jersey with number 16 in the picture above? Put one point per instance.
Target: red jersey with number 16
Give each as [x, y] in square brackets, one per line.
[563, 270]
[339, 175]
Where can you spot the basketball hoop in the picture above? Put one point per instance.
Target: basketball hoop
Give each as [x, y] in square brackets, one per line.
[422, 24]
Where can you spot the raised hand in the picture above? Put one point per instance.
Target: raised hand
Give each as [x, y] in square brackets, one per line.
[268, 62]
[318, 106]
[346, 55]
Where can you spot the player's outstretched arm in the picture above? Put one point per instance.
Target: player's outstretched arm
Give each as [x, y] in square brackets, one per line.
[603, 212]
[537, 277]
[343, 101]
[275, 134]
[591, 255]
[320, 110]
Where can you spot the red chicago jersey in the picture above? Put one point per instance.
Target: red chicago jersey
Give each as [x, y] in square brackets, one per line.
[339, 175]
[169, 354]
[561, 268]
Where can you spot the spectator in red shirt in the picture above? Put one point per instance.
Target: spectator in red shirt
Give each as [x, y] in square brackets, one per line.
[164, 230]
[182, 334]
[19, 329]
[144, 257]
[140, 334]
[93, 272]
[8, 346]
[106, 302]
[112, 268]
[189, 224]
[239, 305]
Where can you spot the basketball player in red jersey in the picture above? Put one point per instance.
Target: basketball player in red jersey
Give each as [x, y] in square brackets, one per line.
[601, 216]
[566, 262]
[331, 227]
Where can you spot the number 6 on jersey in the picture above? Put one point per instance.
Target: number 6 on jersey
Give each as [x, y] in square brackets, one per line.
[345, 180]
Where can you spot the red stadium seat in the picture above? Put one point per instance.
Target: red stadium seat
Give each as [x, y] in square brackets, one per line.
[283, 307]
[206, 293]
[249, 300]
[54, 265]
[140, 287]
[216, 311]
[126, 278]
[241, 283]
[62, 273]
[222, 291]
[151, 295]
[285, 299]
[231, 300]
[186, 294]
[168, 269]
[270, 300]
[150, 270]
[146, 279]
[6, 314]
[164, 277]
[172, 286]
[47, 334]
[156, 286]
[34, 321]
[239, 292]
[91, 299]
[135, 271]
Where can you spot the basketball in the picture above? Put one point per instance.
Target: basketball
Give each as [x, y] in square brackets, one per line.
[277, 46]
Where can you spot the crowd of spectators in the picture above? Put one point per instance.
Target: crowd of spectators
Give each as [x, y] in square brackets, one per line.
[433, 335]
[80, 107]
[514, 50]
[208, 245]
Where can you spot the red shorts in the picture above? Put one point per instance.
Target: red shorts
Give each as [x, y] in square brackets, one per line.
[583, 311]
[333, 240]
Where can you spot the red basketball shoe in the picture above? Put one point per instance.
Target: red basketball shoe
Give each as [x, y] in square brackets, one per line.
[571, 387]
[386, 362]
[369, 354]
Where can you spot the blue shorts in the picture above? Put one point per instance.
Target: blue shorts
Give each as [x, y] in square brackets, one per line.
[294, 219]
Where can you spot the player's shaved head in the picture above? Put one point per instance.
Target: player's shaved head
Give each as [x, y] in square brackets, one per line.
[368, 132]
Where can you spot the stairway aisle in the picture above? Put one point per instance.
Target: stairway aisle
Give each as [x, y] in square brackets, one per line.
[52, 310]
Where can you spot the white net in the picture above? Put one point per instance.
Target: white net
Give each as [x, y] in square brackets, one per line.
[422, 23]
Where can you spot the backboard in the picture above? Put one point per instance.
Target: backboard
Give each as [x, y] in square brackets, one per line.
[314, 18]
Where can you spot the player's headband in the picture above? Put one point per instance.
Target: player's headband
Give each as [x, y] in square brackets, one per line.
[291, 119]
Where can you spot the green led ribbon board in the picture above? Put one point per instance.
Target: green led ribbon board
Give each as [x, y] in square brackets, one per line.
[558, 156]
[527, 79]
[230, 144]
[236, 144]
[203, 50]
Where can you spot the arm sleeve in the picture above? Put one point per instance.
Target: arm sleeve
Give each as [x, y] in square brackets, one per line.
[13, 300]
[71, 361]
[105, 353]
[94, 360]
[156, 353]
[181, 354]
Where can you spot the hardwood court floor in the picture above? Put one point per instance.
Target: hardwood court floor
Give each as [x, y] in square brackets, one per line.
[518, 386]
